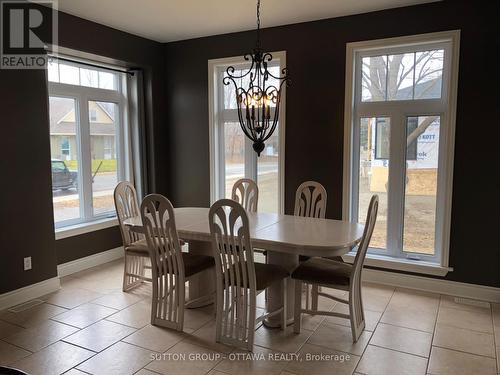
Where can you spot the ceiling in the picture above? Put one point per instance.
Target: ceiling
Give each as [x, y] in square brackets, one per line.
[170, 20]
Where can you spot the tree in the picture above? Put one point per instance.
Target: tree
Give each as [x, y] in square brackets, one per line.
[403, 76]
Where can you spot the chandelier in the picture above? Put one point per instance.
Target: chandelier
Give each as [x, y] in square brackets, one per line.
[263, 91]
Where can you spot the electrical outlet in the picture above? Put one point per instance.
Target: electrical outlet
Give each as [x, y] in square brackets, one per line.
[27, 263]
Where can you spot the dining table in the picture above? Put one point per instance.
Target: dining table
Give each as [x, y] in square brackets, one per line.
[283, 237]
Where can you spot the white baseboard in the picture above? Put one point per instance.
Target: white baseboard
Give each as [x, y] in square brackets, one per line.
[21, 295]
[454, 288]
[81, 264]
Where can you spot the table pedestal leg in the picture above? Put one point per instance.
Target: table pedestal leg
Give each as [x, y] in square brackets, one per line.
[274, 296]
[203, 283]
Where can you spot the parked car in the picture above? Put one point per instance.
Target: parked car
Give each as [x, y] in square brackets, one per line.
[62, 177]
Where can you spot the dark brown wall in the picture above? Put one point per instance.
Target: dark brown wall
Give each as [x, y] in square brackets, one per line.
[26, 223]
[71, 248]
[26, 218]
[314, 139]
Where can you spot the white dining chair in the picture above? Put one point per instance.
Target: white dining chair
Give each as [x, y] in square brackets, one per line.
[310, 201]
[171, 267]
[246, 192]
[134, 244]
[238, 279]
[337, 275]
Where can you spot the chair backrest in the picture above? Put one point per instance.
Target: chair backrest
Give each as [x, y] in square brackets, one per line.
[126, 206]
[310, 200]
[371, 219]
[246, 192]
[235, 273]
[167, 265]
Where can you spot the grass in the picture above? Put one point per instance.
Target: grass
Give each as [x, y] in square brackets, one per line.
[108, 165]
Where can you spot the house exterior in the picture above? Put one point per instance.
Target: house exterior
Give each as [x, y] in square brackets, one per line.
[422, 152]
[421, 161]
[63, 130]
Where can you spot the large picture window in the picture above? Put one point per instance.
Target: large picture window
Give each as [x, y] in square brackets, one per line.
[400, 111]
[232, 155]
[87, 122]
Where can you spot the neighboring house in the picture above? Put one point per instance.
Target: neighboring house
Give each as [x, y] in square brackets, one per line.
[422, 155]
[63, 143]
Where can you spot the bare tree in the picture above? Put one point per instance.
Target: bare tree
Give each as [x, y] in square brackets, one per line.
[383, 78]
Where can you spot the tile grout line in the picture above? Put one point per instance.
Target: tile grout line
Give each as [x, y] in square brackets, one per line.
[401, 351]
[19, 347]
[74, 367]
[495, 351]
[79, 346]
[374, 330]
[433, 334]
[465, 329]
[461, 351]
[403, 327]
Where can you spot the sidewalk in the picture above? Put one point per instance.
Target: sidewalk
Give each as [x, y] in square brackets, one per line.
[72, 197]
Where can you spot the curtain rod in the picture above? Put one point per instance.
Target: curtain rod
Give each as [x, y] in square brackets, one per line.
[127, 71]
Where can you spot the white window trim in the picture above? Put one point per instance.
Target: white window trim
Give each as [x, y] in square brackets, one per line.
[85, 227]
[82, 94]
[449, 142]
[212, 121]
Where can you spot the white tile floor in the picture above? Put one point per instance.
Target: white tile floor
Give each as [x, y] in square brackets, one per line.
[91, 326]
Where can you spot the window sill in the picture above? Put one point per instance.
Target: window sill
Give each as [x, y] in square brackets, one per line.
[406, 265]
[77, 229]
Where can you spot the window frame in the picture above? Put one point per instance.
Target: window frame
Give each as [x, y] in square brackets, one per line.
[216, 132]
[82, 95]
[398, 111]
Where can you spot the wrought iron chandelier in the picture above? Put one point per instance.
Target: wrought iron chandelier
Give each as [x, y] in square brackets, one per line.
[255, 102]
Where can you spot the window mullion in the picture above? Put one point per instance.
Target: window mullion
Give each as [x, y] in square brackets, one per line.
[124, 145]
[354, 210]
[395, 204]
[220, 146]
[220, 149]
[86, 157]
[250, 160]
[441, 190]
[78, 132]
[355, 144]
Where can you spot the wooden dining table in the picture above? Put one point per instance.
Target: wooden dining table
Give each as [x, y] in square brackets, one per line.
[284, 237]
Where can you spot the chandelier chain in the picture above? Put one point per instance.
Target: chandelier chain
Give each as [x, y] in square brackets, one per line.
[258, 23]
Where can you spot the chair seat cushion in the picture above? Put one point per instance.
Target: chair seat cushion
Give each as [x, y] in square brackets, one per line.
[337, 259]
[139, 248]
[303, 258]
[194, 263]
[323, 271]
[266, 275]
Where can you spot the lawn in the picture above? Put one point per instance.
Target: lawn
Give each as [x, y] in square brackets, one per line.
[108, 165]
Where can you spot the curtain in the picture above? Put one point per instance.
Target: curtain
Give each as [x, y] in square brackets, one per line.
[137, 166]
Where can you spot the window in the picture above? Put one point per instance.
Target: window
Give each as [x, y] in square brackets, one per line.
[232, 155]
[400, 110]
[87, 132]
[382, 138]
[93, 114]
[65, 149]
